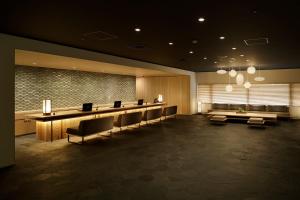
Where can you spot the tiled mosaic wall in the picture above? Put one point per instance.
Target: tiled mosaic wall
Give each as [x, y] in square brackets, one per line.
[67, 88]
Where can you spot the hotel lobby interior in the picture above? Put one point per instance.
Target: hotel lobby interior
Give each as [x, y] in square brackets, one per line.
[150, 100]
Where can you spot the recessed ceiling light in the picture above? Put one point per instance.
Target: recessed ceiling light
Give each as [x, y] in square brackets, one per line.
[195, 41]
[233, 48]
[242, 55]
[191, 52]
[222, 37]
[215, 62]
[137, 29]
[74, 67]
[205, 58]
[34, 63]
[247, 60]
[171, 43]
[201, 19]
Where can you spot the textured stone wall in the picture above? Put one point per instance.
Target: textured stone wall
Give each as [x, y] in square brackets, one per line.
[67, 88]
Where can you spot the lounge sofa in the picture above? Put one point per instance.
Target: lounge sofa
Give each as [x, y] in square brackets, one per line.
[282, 111]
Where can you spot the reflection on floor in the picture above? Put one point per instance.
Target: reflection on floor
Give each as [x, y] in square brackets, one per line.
[185, 158]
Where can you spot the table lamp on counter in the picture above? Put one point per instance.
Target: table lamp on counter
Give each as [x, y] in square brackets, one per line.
[47, 107]
[160, 98]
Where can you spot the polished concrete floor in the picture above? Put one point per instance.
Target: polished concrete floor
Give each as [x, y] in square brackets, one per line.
[185, 158]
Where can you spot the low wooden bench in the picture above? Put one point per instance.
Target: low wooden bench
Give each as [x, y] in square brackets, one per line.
[218, 119]
[256, 122]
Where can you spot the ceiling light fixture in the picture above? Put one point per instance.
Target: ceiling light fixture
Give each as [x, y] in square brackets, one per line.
[233, 48]
[191, 52]
[242, 55]
[171, 43]
[232, 73]
[222, 37]
[215, 62]
[137, 29]
[221, 71]
[247, 84]
[201, 19]
[239, 79]
[259, 77]
[34, 63]
[205, 58]
[251, 70]
[228, 87]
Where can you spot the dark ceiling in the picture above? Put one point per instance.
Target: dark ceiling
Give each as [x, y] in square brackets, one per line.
[108, 27]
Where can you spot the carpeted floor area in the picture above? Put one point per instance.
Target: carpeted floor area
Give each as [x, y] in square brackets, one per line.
[185, 158]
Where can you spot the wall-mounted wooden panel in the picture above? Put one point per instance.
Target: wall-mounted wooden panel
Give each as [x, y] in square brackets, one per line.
[175, 90]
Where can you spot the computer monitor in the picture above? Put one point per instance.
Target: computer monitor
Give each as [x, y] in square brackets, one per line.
[87, 107]
[140, 102]
[117, 104]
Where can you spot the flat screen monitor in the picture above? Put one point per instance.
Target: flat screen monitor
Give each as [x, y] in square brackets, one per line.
[117, 104]
[87, 107]
[140, 102]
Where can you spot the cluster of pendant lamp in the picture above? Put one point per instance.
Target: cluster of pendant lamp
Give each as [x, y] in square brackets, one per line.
[240, 79]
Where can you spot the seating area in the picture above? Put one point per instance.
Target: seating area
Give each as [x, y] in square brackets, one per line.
[106, 124]
[281, 111]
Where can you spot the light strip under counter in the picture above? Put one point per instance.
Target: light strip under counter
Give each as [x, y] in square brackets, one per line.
[53, 127]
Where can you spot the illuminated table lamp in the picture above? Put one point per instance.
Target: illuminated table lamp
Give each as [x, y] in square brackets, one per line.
[47, 107]
[160, 98]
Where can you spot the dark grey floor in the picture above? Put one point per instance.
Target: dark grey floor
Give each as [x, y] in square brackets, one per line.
[185, 158]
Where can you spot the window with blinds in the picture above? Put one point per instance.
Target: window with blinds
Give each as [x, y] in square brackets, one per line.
[295, 99]
[269, 94]
[204, 93]
[237, 96]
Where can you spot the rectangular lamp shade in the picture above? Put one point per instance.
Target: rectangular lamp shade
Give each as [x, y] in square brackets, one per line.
[46, 107]
[160, 98]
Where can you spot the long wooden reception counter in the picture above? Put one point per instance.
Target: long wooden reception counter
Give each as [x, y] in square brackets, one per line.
[54, 126]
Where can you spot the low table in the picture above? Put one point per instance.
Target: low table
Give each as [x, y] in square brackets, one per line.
[256, 122]
[218, 119]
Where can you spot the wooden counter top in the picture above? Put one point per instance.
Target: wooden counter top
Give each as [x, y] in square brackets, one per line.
[78, 113]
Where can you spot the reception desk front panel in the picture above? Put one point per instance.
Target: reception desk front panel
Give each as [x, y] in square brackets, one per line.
[54, 126]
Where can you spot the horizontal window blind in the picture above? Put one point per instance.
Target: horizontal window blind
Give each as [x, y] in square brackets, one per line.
[237, 96]
[295, 94]
[269, 94]
[204, 93]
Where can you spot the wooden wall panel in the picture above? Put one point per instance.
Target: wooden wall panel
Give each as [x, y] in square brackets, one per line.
[175, 90]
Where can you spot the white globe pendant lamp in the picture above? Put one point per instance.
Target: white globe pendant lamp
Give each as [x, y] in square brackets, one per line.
[221, 71]
[251, 70]
[232, 73]
[259, 78]
[240, 79]
[229, 88]
[247, 84]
